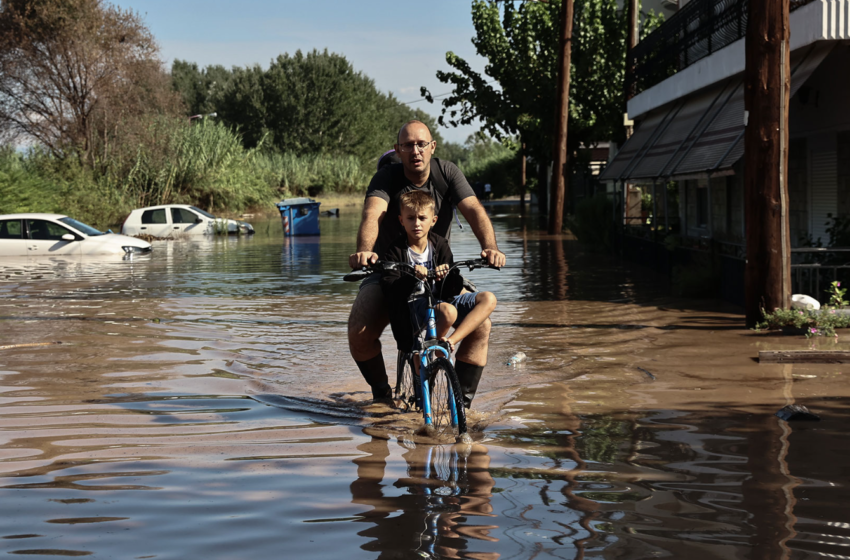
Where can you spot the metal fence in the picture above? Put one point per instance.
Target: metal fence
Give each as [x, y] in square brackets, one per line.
[699, 29]
[813, 269]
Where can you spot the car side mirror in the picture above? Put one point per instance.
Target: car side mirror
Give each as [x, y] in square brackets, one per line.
[198, 221]
[69, 237]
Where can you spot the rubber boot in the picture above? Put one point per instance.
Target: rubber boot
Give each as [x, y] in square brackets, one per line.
[469, 377]
[374, 371]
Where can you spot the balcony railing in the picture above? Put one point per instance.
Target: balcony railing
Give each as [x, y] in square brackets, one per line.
[699, 29]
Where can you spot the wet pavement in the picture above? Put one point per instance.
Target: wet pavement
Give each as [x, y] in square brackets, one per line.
[202, 404]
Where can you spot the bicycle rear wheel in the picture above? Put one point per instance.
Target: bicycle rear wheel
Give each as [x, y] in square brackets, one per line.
[406, 389]
[445, 394]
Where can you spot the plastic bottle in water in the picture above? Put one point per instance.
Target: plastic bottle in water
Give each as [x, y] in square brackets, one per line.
[518, 358]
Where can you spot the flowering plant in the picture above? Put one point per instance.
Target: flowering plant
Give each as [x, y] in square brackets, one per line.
[836, 295]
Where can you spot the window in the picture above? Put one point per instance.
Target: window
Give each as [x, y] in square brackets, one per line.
[11, 229]
[41, 230]
[154, 216]
[183, 216]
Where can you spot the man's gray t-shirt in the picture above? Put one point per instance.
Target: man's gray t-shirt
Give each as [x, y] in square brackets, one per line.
[390, 183]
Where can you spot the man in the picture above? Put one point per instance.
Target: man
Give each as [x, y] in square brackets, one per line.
[380, 225]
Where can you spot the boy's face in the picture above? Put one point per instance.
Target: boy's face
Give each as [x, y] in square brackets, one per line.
[417, 223]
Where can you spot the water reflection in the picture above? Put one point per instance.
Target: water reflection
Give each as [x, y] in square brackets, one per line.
[432, 510]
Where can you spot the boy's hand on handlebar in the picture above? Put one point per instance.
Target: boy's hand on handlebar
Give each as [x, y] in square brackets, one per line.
[441, 271]
[421, 272]
[494, 257]
[361, 259]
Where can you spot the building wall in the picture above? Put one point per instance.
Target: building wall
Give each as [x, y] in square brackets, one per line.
[822, 103]
[798, 190]
[843, 142]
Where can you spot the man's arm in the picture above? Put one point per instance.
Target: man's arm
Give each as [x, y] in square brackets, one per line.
[374, 210]
[478, 220]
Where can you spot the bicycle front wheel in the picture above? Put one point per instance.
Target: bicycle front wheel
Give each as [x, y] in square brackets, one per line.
[445, 397]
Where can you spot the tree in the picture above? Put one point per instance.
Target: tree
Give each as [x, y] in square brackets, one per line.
[201, 90]
[313, 103]
[74, 73]
[518, 94]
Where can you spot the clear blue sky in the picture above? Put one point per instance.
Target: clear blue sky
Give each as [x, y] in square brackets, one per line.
[399, 44]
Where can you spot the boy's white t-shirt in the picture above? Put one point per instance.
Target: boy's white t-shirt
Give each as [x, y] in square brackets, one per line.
[425, 258]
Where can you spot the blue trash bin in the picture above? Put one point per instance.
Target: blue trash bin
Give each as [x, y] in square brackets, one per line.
[300, 216]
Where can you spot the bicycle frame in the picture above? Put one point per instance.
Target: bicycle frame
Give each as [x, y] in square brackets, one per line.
[424, 360]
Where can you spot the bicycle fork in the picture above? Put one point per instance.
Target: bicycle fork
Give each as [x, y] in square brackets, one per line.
[423, 369]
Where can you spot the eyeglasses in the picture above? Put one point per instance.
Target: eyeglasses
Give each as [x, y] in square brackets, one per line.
[408, 146]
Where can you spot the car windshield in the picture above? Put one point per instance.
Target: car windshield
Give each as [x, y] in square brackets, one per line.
[80, 226]
[199, 211]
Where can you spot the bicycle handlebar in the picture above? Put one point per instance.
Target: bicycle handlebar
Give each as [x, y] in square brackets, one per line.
[380, 266]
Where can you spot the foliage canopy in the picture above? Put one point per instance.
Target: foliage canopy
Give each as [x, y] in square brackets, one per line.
[518, 94]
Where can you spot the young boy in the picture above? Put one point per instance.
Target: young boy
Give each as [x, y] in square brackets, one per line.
[428, 251]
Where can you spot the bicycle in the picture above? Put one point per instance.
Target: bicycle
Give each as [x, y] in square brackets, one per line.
[437, 392]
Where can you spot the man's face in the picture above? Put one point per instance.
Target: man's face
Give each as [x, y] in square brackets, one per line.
[417, 223]
[415, 148]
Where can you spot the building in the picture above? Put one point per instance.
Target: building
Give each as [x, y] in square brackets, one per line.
[685, 155]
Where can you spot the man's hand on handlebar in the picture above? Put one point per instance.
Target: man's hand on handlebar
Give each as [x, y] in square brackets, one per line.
[494, 257]
[361, 259]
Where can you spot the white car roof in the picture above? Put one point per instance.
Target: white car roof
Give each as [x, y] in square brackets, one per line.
[163, 206]
[31, 215]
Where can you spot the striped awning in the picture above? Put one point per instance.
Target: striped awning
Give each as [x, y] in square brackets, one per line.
[701, 134]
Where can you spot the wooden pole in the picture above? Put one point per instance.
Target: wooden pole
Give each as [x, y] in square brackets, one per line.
[633, 17]
[556, 208]
[767, 81]
[522, 183]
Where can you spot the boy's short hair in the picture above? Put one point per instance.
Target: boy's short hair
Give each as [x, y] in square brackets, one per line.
[417, 201]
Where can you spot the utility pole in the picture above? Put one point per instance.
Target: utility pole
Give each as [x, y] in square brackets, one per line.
[633, 17]
[556, 209]
[767, 81]
[522, 183]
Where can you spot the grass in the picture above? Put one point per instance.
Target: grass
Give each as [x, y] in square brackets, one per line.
[203, 164]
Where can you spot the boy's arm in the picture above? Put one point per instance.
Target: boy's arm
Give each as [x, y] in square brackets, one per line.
[395, 284]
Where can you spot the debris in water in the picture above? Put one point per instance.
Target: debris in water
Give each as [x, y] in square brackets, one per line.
[517, 358]
[647, 373]
[795, 412]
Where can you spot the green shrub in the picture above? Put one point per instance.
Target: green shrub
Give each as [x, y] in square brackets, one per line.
[821, 322]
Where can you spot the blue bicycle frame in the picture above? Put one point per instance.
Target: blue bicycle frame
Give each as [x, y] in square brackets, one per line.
[431, 338]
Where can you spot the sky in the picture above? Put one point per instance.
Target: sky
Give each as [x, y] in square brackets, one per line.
[399, 44]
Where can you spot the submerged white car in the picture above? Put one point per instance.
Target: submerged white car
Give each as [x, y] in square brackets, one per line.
[169, 220]
[54, 234]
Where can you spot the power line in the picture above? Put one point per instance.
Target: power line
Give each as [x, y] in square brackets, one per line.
[439, 96]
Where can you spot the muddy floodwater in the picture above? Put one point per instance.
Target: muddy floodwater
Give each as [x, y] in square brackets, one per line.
[201, 403]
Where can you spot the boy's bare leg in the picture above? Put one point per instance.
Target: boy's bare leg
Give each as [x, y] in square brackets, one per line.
[366, 322]
[446, 317]
[485, 303]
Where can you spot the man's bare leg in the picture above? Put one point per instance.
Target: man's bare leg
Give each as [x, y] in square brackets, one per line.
[470, 360]
[367, 321]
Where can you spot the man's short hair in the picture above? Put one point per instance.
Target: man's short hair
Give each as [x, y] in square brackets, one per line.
[398, 136]
[417, 201]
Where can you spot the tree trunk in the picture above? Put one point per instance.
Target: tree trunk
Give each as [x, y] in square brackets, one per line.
[767, 82]
[556, 211]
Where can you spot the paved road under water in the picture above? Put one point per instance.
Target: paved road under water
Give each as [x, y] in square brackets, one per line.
[202, 404]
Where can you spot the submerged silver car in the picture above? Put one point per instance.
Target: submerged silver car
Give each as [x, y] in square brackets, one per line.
[55, 234]
[174, 220]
